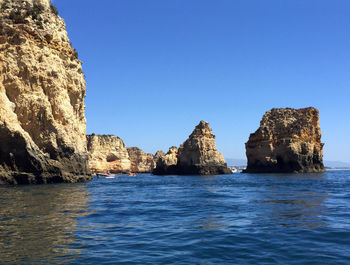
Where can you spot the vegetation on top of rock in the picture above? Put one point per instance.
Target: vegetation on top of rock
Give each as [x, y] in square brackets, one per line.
[53, 9]
[19, 15]
[75, 54]
[42, 119]
[35, 11]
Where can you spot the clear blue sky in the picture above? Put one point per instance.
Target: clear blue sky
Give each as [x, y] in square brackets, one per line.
[155, 68]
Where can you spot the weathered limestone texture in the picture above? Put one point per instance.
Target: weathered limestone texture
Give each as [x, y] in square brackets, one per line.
[288, 140]
[196, 156]
[42, 90]
[166, 164]
[141, 162]
[107, 153]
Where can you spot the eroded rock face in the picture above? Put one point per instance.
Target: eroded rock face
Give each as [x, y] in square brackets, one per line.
[141, 162]
[166, 164]
[288, 140]
[42, 90]
[196, 156]
[107, 153]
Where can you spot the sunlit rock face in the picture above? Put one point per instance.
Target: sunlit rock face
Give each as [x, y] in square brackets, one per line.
[42, 90]
[198, 155]
[107, 153]
[288, 140]
[141, 162]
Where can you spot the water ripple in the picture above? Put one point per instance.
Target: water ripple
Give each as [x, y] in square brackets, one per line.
[231, 219]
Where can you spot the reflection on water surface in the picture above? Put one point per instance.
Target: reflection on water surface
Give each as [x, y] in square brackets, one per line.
[37, 222]
[179, 220]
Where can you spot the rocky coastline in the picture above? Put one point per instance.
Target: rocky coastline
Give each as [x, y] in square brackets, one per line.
[108, 153]
[43, 126]
[141, 162]
[42, 91]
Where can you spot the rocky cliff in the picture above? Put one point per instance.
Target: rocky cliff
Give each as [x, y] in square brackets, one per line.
[288, 140]
[166, 164]
[141, 162]
[196, 156]
[107, 153]
[42, 90]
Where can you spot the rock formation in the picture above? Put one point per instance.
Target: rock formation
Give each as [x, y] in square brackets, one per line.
[42, 90]
[107, 153]
[141, 162]
[196, 156]
[288, 140]
[166, 164]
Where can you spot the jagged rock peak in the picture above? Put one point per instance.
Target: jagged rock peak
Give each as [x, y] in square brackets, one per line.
[196, 156]
[202, 129]
[159, 153]
[42, 90]
[166, 164]
[172, 150]
[288, 140]
[199, 155]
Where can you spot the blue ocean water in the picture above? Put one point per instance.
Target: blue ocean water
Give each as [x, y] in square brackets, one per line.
[228, 219]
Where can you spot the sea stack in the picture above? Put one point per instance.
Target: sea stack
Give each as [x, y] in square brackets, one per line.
[288, 140]
[141, 162]
[42, 90]
[196, 156]
[107, 153]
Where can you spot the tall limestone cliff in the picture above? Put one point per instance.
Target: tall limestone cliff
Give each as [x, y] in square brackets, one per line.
[196, 156]
[42, 90]
[141, 162]
[107, 153]
[288, 140]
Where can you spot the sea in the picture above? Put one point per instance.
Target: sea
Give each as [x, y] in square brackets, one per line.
[227, 219]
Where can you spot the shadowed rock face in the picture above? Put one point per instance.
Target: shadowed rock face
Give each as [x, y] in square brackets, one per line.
[107, 153]
[42, 90]
[196, 156]
[141, 162]
[288, 140]
[166, 164]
